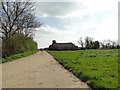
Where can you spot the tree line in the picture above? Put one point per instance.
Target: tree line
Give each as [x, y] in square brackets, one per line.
[90, 43]
[17, 26]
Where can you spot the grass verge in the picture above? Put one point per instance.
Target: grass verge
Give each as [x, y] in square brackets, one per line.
[99, 68]
[17, 56]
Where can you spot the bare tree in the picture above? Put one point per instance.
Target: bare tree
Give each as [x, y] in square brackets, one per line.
[16, 18]
[81, 42]
[88, 42]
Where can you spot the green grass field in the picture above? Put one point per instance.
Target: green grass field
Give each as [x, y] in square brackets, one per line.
[99, 68]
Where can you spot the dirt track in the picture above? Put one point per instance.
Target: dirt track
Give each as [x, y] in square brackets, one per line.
[40, 70]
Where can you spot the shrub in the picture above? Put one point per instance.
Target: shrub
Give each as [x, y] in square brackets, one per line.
[18, 44]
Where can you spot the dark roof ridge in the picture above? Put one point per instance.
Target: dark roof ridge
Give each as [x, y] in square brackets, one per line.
[65, 43]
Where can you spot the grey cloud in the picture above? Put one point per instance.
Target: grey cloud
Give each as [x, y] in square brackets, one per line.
[56, 8]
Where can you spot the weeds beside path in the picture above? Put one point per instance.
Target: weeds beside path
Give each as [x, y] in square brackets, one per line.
[17, 56]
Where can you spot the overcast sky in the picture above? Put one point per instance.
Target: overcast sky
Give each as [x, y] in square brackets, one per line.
[68, 21]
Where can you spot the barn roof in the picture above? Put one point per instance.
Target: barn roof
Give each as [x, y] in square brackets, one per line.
[64, 45]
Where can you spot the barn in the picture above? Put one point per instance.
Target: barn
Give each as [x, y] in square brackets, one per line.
[62, 46]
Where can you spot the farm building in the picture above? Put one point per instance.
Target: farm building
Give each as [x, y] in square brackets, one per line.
[62, 46]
